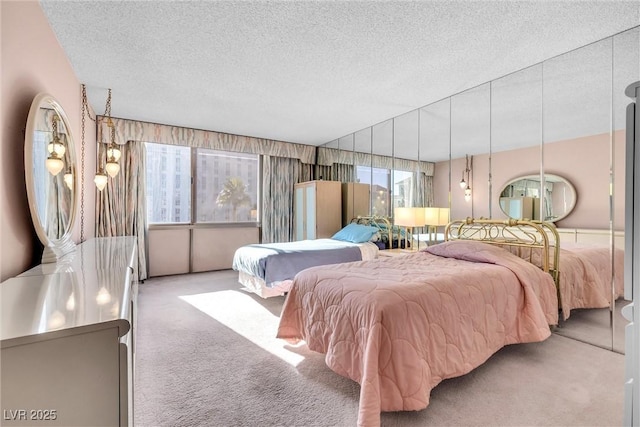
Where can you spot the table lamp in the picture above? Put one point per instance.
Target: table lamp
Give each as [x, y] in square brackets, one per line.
[408, 218]
[434, 218]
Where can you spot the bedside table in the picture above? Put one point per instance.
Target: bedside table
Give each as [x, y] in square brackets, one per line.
[395, 252]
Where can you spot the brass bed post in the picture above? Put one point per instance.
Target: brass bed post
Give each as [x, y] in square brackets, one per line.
[513, 233]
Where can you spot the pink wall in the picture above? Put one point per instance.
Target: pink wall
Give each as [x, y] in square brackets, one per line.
[583, 161]
[33, 62]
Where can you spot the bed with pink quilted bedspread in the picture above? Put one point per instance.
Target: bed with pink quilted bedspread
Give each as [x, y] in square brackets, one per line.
[585, 274]
[401, 325]
[585, 277]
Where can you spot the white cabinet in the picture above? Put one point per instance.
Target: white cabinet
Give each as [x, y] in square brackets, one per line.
[521, 207]
[317, 209]
[68, 338]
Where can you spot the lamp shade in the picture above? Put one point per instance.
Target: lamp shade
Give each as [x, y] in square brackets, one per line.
[54, 164]
[56, 146]
[112, 168]
[444, 216]
[431, 216]
[68, 180]
[100, 180]
[114, 151]
[436, 216]
[408, 217]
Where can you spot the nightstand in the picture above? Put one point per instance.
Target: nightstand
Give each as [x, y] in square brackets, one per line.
[395, 252]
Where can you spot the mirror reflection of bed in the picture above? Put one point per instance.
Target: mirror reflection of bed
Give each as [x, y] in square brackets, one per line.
[598, 320]
[587, 256]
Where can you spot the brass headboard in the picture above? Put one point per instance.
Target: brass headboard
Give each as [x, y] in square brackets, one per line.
[523, 235]
[381, 222]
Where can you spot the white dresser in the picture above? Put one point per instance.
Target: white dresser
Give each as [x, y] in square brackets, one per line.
[68, 338]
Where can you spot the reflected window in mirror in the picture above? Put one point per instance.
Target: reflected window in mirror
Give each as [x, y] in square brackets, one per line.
[380, 180]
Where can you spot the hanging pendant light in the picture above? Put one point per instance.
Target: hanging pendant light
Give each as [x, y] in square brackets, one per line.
[100, 180]
[54, 164]
[56, 150]
[56, 146]
[114, 151]
[107, 160]
[112, 166]
[68, 180]
[465, 184]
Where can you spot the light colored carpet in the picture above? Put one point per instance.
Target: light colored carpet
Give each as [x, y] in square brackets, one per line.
[206, 356]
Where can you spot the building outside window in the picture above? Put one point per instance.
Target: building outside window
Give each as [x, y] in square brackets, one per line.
[384, 196]
[168, 181]
[232, 186]
[226, 185]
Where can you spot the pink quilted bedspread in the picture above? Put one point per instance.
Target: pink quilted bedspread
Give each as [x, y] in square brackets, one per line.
[585, 274]
[400, 325]
[585, 277]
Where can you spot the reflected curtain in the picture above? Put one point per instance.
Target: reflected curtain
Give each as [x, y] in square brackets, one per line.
[57, 208]
[335, 172]
[280, 174]
[121, 206]
[422, 189]
[323, 172]
[343, 173]
[548, 214]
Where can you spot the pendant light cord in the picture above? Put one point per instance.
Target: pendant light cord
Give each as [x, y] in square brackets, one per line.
[85, 112]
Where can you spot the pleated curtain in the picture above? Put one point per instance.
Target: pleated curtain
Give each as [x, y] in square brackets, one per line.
[280, 174]
[422, 190]
[343, 173]
[121, 205]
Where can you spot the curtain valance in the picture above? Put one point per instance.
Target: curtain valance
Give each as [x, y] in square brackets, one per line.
[132, 130]
[329, 156]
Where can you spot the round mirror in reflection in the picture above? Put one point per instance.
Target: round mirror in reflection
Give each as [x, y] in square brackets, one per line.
[520, 198]
[50, 170]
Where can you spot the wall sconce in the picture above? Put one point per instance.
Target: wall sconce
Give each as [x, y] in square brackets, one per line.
[465, 184]
[56, 150]
[113, 153]
[408, 218]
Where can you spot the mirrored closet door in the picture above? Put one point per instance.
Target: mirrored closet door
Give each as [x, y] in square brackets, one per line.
[542, 143]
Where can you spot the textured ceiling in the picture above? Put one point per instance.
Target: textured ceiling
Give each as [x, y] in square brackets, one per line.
[310, 71]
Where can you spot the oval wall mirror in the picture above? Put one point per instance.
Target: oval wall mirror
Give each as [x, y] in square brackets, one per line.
[51, 176]
[520, 198]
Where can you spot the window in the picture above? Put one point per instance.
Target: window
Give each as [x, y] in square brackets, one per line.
[402, 181]
[384, 197]
[231, 183]
[168, 184]
[379, 180]
[226, 185]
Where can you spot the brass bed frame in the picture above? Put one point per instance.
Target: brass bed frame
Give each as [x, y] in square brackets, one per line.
[381, 222]
[528, 236]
